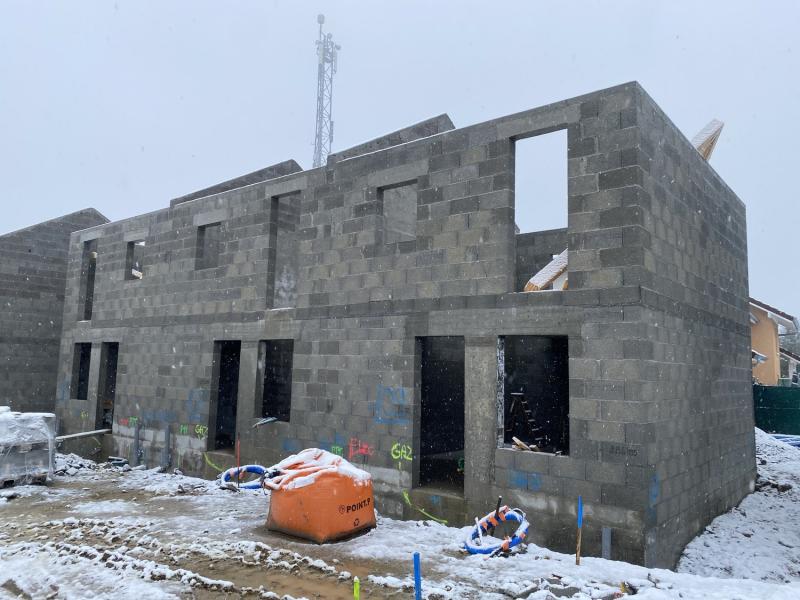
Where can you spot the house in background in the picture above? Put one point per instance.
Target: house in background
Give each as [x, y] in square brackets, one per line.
[790, 361]
[767, 325]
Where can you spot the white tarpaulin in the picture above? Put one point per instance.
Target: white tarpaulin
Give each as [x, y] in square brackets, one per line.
[27, 446]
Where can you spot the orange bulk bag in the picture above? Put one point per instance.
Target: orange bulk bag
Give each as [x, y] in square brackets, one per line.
[319, 496]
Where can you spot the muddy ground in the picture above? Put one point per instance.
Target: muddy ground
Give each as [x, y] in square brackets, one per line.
[212, 542]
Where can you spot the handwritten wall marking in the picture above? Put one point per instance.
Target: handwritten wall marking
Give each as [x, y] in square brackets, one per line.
[392, 406]
[359, 448]
[401, 451]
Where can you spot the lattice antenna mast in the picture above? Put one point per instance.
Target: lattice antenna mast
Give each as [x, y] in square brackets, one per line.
[326, 58]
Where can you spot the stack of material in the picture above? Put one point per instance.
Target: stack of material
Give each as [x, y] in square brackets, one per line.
[552, 276]
[27, 446]
[319, 496]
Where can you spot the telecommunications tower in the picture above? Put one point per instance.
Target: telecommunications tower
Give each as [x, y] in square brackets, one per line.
[326, 69]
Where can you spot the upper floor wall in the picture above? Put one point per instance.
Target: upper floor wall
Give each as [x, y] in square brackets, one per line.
[425, 219]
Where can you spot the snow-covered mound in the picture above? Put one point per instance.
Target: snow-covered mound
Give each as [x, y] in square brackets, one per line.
[759, 539]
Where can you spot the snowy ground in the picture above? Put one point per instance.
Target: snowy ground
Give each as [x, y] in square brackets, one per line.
[104, 533]
[759, 539]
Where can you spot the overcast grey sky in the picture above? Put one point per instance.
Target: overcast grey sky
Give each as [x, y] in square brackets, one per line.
[124, 105]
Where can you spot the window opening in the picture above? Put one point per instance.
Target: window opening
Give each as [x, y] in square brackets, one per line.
[399, 212]
[226, 369]
[107, 390]
[134, 260]
[275, 365]
[208, 246]
[88, 268]
[81, 360]
[282, 263]
[536, 391]
[442, 413]
[540, 207]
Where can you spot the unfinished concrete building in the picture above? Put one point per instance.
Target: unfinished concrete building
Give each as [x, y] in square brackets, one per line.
[374, 307]
[33, 271]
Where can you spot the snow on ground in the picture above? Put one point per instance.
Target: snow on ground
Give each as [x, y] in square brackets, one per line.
[109, 532]
[760, 539]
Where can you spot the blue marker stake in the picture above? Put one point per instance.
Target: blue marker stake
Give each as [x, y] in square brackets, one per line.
[417, 578]
[580, 530]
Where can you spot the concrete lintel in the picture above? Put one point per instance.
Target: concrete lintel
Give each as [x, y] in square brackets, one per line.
[212, 216]
[136, 235]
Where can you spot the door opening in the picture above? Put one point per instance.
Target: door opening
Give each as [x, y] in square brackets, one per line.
[107, 389]
[442, 413]
[226, 357]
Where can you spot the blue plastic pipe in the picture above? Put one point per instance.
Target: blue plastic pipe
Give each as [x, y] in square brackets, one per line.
[417, 578]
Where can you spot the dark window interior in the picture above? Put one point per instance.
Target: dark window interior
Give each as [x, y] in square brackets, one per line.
[442, 412]
[208, 246]
[88, 268]
[275, 362]
[134, 260]
[109, 354]
[226, 357]
[81, 360]
[399, 212]
[536, 391]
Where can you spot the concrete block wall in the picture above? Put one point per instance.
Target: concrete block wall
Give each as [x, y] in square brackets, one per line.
[635, 317]
[33, 271]
[695, 305]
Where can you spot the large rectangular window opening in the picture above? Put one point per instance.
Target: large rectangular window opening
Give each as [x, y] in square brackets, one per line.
[442, 413]
[134, 260]
[399, 212]
[208, 246]
[88, 268]
[226, 379]
[535, 391]
[81, 360]
[541, 211]
[107, 388]
[282, 261]
[275, 380]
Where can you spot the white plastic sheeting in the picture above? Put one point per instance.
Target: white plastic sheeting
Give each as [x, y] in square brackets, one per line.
[27, 446]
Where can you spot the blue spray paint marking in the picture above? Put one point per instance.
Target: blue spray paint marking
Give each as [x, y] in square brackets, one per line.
[195, 403]
[525, 481]
[290, 445]
[391, 406]
[336, 445]
[655, 490]
[518, 479]
[161, 414]
[436, 500]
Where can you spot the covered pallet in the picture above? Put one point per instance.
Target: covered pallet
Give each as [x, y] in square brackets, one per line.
[27, 446]
[319, 496]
